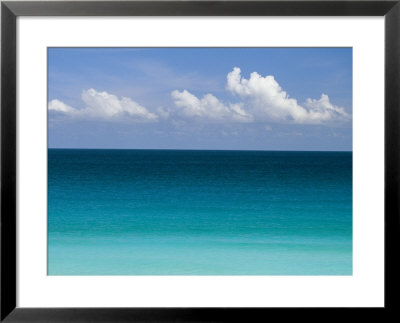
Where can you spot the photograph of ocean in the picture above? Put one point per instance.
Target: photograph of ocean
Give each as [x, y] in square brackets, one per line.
[200, 161]
[183, 212]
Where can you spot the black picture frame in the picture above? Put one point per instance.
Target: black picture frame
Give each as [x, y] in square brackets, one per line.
[11, 10]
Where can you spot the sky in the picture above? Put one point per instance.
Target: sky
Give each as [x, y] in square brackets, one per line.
[200, 98]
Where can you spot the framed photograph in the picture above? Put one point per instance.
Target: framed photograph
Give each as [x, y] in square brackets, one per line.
[173, 161]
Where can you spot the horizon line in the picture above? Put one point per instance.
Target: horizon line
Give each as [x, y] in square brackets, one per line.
[196, 149]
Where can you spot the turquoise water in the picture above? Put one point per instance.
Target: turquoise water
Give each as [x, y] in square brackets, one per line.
[177, 212]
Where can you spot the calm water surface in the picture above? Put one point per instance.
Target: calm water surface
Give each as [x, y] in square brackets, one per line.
[179, 212]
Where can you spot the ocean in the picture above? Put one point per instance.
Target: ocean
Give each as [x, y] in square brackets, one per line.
[199, 212]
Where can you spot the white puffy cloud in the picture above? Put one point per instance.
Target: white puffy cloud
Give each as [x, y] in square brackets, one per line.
[266, 100]
[56, 105]
[324, 110]
[208, 107]
[102, 105]
[261, 99]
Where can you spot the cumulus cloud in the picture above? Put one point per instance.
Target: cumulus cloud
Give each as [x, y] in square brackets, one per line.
[266, 100]
[208, 107]
[261, 99]
[102, 105]
[324, 110]
[59, 106]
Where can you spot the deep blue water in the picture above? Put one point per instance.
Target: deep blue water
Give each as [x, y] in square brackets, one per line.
[180, 212]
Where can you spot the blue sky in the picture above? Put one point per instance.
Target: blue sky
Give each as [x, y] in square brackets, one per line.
[200, 98]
